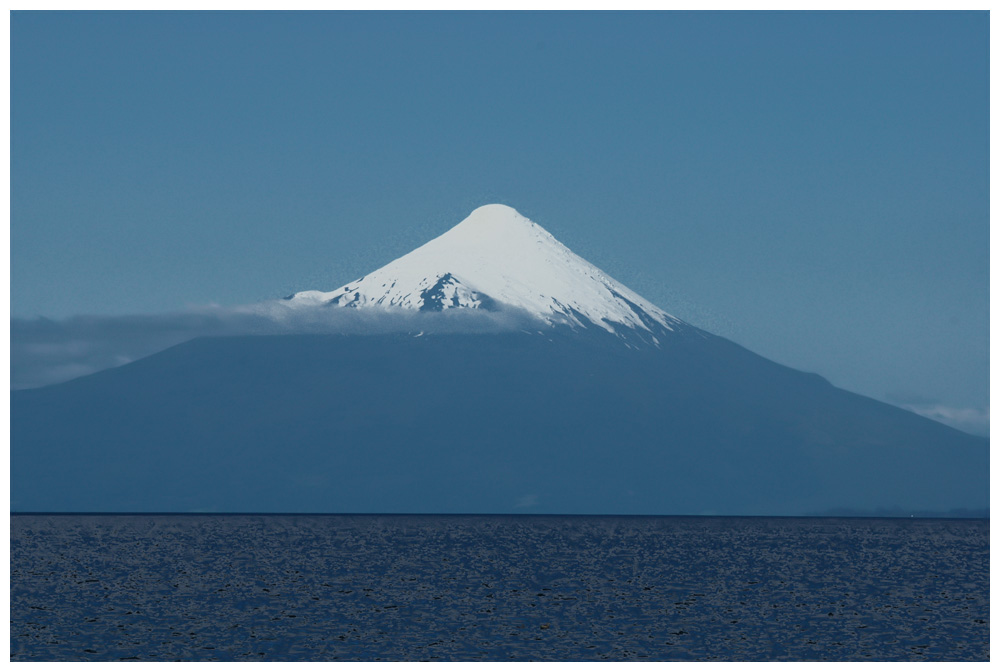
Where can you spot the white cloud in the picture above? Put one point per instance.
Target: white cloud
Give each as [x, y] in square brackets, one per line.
[46, 351]
[971, 420]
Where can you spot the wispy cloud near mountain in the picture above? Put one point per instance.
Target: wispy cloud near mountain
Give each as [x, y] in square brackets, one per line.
[971, 420]
[45, 351]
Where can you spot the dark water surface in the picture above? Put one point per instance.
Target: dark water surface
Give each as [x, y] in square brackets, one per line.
[250, 587]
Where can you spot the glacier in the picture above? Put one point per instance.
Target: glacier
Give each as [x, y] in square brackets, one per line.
[498, 256]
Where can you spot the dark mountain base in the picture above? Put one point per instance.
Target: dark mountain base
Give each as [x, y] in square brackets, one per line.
[553, 422]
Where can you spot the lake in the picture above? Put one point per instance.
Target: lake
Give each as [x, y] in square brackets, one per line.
[497, 588]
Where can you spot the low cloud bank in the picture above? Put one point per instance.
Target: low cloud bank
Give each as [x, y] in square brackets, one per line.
[44, 351]
[972, 420]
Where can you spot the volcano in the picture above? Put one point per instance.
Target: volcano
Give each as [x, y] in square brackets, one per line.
[595, 401]
[497, 258]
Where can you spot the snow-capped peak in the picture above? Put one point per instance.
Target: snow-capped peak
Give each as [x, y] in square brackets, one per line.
[497, 256]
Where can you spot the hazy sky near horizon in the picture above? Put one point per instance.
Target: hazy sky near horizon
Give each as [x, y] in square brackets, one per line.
[813, 186]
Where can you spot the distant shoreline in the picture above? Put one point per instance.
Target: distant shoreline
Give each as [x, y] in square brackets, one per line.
[949, 515]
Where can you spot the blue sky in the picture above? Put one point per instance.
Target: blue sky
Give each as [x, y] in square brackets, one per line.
[814, 186]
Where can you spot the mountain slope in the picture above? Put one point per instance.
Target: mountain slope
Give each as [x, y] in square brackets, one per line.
[559, 418]
[557, 423]
[497, 256]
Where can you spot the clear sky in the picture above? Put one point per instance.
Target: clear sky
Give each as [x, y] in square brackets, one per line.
[814, 186]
